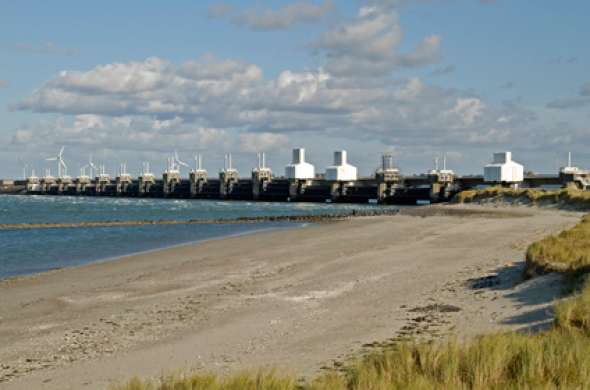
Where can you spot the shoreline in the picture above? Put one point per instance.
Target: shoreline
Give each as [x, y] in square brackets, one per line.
[294, 225]
[295, 220]
[387, 211]
[297, 299]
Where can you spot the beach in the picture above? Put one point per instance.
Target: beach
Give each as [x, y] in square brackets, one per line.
[301, 300]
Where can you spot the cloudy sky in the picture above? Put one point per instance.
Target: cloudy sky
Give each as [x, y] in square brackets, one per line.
[133, 81]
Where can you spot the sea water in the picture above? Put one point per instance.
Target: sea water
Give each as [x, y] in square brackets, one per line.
[37, 250]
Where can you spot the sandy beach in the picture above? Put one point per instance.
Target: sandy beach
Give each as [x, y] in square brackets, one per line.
[301, 300]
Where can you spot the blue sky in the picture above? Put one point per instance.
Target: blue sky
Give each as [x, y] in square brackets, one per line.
[418, 78]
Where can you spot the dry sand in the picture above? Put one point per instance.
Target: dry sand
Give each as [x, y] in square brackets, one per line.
[298, 300]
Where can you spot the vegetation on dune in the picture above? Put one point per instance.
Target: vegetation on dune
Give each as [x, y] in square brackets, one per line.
[568, 251]
[574, 313]
[243, 381]
[558, 358]
[567, 197]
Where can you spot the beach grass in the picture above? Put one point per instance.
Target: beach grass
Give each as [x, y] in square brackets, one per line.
[268, 380]
[569, 251]
[557, 358]
[566, 197]
[574, 313]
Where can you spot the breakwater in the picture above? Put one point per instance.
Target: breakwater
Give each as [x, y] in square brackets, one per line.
[218, 221]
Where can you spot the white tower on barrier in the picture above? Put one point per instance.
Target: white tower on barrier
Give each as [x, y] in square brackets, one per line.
[503, 169]
[299, 169]
[341, 170]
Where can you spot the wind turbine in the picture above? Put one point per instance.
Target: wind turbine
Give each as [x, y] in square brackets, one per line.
[92, 167]
[179, 162]
[62, 168]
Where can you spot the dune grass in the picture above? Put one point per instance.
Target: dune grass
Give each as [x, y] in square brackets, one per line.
[242, 381]
[566, 197]
[558, 358]
[574, 313]
[569, 251]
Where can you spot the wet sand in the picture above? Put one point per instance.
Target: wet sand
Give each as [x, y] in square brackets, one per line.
[298, 299]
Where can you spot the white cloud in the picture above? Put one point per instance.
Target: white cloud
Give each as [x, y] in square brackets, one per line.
[122, 133]
[467, 110]
[145, 102]
[368, 45]
[427, 52]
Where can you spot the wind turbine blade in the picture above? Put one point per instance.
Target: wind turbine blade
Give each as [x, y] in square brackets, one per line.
[61, 151]
[51, 159]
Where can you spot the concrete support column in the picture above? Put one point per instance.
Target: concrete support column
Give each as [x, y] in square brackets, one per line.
[260, 179]
[441, 183]
[170, 180]
[336, 190]
[81, 185]
[227, 180]
[197, 181]
[387, 180]
[46, 184]
[145, 184]
[123, 183]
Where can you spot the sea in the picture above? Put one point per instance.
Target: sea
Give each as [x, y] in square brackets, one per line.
[32, 251]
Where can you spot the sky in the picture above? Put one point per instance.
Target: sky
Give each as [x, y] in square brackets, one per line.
[134, 81]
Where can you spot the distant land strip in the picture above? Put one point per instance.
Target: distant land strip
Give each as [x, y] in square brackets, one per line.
[218, 221]
[423, 211]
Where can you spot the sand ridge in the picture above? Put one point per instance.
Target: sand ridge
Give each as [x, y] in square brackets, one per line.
[298, 299]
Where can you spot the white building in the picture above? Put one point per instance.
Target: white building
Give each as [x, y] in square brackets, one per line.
[299, 169]
[503, 170]
[341, 170]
